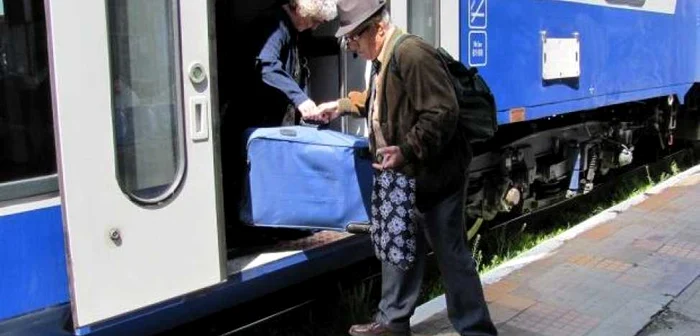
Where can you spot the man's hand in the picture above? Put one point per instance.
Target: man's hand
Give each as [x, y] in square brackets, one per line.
[392, 158]
[328, 111]
[307, 109]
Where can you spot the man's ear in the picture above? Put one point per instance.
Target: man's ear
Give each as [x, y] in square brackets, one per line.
[381, 30]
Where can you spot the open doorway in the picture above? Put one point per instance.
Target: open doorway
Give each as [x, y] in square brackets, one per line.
[330, 72]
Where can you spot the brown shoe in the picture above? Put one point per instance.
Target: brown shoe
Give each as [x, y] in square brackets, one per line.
[375, 329]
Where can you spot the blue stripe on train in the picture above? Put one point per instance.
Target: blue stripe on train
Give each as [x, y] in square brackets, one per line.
[32, 262]
[626, 55]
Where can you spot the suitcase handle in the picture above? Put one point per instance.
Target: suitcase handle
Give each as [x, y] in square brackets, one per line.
[314, 124]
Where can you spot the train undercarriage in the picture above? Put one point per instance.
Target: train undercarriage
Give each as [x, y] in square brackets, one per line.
[540, 163]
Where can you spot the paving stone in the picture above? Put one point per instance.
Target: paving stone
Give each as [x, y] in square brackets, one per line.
[608, 281]
[687, 201]
[507, 330]
[640, 277]
[555, 278]
[493, 292]
[573, 295]
[688, 302]
[674, 282]
[690, 233]
[546, 319]
[659, 200]
[689, 181]
[515, 302]
[669, 222]
[600, 232]
[630, 254]
[647, 244]
[658, 235]
[669, 264]
[539, 267]
[629, 232]
[601, 305]
[501, 314]
[436, 322]
[612, 329]
[527, 291]
[520, 276]
[629, 319]
[435, 333]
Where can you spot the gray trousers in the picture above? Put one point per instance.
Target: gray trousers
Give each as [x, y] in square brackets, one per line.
[466, 308]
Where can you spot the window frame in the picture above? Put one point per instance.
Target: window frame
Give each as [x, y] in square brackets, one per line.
[42, 183]
[436, 24]
[181, 168]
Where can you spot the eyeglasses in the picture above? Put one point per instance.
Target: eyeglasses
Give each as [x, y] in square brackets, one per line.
[356, 36]
[353, 37]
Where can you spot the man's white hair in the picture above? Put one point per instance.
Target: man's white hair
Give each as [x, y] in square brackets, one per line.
[325, 10]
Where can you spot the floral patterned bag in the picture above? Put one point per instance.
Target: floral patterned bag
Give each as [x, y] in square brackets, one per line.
[393, 229]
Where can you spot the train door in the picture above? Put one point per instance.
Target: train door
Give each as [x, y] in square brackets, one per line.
[436, 21]
[138, 166]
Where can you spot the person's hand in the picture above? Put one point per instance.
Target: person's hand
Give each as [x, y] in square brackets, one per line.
[328, 111]
[307, 109]
[391, 157]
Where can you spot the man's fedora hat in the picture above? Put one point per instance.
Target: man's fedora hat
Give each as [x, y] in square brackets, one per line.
[353, 13]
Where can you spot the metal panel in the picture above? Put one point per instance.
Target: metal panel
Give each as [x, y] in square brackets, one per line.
[163, 251]
[560, 58]
[33, 272]
[29, 187]
[449, 19]
[626, 54]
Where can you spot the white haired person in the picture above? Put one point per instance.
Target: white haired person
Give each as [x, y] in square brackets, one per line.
[281, 71]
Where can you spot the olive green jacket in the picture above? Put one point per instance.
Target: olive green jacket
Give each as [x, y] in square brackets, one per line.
[418, 112]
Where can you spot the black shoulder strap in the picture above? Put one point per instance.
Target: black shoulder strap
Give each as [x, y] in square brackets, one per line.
[394, 68]
[393, 62]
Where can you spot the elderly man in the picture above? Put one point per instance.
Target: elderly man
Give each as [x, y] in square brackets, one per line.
[413, 114]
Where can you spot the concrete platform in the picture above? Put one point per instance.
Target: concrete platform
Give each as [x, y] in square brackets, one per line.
[614, 274]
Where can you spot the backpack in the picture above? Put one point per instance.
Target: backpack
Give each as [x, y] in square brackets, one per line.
[477, 105]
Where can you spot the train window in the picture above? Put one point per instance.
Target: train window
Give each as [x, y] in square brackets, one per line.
[146, 97]
[27, 152]
[423, 19]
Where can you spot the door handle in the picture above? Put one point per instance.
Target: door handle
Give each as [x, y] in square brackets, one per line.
[199, 118]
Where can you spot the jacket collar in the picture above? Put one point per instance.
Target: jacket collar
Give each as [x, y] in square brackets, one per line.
[388, 47]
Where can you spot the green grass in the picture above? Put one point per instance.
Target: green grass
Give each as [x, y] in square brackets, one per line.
[509, 247]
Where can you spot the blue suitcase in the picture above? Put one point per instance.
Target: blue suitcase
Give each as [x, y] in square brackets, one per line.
[302, 177]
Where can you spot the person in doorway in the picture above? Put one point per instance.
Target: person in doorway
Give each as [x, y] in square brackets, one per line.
[280, 72]
[413, 114]
[269, 87]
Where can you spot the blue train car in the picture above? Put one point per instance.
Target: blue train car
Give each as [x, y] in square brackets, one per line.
[111, 216]
[546, 59]
[552, 57]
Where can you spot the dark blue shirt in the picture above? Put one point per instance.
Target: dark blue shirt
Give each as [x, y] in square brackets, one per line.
[278, 61]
